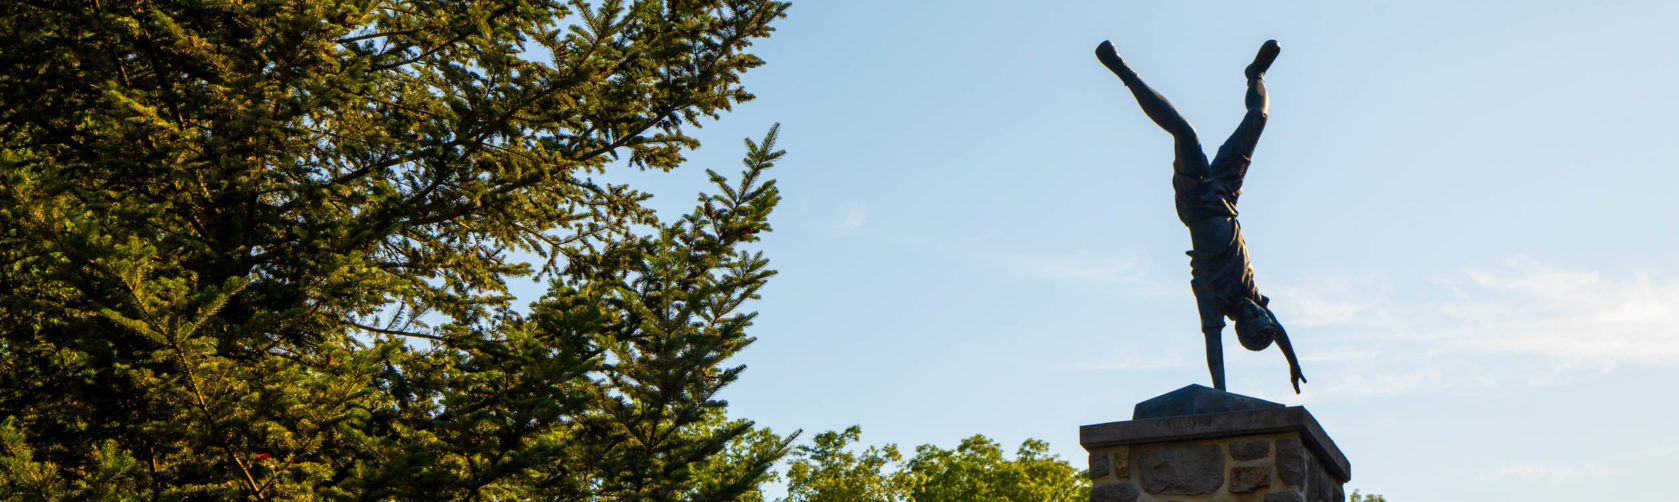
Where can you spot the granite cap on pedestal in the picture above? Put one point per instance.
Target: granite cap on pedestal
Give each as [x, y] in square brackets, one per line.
[1197, 400]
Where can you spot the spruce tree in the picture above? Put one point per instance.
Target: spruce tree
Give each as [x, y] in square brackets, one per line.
[260, 250]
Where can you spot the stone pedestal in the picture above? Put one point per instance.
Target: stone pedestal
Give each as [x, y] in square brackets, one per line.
[1201, 444]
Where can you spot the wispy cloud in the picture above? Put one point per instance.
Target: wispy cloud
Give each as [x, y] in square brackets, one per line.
[1134, 361]
[1546, 325]
[1526, 470]
[1378, 384]
[1333, 299]
[1084, 266]
[1666, 450]
[1570, 315]
[855, 216]
[1550, 326]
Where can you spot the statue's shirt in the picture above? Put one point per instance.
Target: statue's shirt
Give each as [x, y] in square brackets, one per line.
[1218, 265]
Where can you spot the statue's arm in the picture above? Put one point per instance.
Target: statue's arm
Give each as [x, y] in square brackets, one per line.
[1295, 377]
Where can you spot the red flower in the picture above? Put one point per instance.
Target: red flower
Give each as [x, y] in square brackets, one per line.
[262, 457]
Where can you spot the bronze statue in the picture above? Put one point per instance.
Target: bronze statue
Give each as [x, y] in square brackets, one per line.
[1206, 200]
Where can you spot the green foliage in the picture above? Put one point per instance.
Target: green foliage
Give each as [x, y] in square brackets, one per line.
[110, 476]
[1358, 497]
[260, 249]
[826, 471]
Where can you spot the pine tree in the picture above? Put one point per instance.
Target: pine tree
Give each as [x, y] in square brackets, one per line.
[260, 249]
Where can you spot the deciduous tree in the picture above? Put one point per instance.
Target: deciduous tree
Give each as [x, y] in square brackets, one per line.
[829, 470]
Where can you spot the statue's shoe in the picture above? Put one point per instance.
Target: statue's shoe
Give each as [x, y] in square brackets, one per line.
[1110, 57]
[1262, 61]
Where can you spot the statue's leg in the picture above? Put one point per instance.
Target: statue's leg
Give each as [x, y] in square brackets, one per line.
[1233, 157]
[1212, 330]
[1158, 109]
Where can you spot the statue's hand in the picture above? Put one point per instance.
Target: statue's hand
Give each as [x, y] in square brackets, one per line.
[1295, 378]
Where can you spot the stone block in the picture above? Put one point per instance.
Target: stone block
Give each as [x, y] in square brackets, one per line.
[1099, 465]
[1181, 470]
[1250, 450]
[1319, 490]
[1291, 462]
[1288, 496]
[1249, 479]
[1117, 492]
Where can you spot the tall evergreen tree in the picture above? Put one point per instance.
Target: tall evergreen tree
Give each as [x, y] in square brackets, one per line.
[260, 249]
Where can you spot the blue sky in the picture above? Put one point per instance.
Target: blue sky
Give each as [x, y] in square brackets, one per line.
[1460, 209]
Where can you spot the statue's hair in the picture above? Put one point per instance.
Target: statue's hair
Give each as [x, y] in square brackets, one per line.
[1257, 329]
